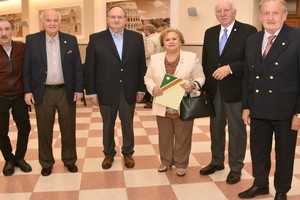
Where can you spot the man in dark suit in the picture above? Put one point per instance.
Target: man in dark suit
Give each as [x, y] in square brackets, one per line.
[115, 69]
[223, 61]
[53, 81]
[271, 99]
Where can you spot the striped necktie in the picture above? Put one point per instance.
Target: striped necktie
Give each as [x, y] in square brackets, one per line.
[269, 44]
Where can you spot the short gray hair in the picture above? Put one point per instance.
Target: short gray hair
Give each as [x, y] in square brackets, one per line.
[283, 3]
[44, 11]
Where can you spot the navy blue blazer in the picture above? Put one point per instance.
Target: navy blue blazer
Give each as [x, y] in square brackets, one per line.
[35, 65]
[106, 73]
[233, 54]
[271, 86]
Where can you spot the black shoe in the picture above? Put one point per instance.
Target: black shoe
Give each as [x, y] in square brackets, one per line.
[148, 104]
[233, 177]
[46, 171]
[253, 192]
[72, 168]
[24, 166]
[9, 168]
[280, 196]
[210, 169]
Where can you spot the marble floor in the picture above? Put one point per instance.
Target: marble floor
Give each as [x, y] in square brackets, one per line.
[119, 183]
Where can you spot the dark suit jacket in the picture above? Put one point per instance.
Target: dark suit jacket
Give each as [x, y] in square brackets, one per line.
[35, 65]
[106, 72]
[271, 85]
[233, 54]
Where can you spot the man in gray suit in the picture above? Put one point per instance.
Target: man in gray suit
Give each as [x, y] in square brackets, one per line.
[223, 61]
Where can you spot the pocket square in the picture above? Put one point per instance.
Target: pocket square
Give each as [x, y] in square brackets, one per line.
[70, 51]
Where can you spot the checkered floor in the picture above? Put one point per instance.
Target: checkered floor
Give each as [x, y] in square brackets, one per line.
[118, 183]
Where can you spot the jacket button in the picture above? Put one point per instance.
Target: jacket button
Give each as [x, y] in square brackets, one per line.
[256, 91]
[257, 77]
[271, 77]
[270, 91]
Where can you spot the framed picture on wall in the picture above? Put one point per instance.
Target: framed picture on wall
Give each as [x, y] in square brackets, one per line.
[142, 12]
[71, 20]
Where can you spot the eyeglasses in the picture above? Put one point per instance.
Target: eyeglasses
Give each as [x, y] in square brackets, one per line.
[116, 17]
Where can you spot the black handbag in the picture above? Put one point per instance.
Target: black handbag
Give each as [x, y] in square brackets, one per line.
[196, 107]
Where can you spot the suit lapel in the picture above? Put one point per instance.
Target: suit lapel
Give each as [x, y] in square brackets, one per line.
[232, 35]
[42, 42]
[180, 63]
[62, 45]
[111, 44]
[278, 46]
[126, 42]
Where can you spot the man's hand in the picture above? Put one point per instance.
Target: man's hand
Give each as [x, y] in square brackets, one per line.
[246, 116]
[295, 123]
[29, 99]
[222, 72]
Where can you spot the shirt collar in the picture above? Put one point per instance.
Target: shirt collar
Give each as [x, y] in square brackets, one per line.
[115, 35]
[48, 38]
[267, 34]
[229, 28]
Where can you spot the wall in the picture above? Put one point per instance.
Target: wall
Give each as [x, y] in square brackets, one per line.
[94, 16]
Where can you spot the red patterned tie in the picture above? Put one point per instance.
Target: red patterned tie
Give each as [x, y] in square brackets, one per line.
[269, 44]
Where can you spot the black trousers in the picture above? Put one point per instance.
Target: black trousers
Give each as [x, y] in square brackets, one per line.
[19, 111]
[261, 138]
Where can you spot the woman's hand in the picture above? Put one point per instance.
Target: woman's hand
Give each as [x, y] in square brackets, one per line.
[188, 87]
[157, 91]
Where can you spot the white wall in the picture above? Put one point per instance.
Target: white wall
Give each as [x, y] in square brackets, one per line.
[94, 16]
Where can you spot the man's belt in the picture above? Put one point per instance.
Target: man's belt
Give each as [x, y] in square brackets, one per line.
[55, 86]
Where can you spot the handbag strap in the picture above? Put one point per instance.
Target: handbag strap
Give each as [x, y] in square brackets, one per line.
[200, 88]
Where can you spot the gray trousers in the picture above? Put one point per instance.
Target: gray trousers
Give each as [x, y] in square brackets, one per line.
[231, 114]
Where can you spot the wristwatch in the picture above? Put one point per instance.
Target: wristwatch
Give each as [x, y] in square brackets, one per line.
[297, 115]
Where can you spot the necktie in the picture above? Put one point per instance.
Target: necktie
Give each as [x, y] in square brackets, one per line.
[223, 41]
[269, 44]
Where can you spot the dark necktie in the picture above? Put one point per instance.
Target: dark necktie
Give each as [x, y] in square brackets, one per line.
[223, 41]
[269, 44]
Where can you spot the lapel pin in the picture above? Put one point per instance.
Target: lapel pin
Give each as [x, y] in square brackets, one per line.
[283, 43]
[234, 29]
[65, 42]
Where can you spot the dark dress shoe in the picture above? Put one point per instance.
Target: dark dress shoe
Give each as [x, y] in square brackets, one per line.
[129, 162]
[9, 168]
[72, 168]
[107, 162]
[210, 169]
[46, 171]
[233, 177]
[24, 166]
[253, 192]
[280, 196]
[148, 105]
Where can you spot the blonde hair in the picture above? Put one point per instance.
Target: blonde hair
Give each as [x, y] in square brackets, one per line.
[168, 30]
